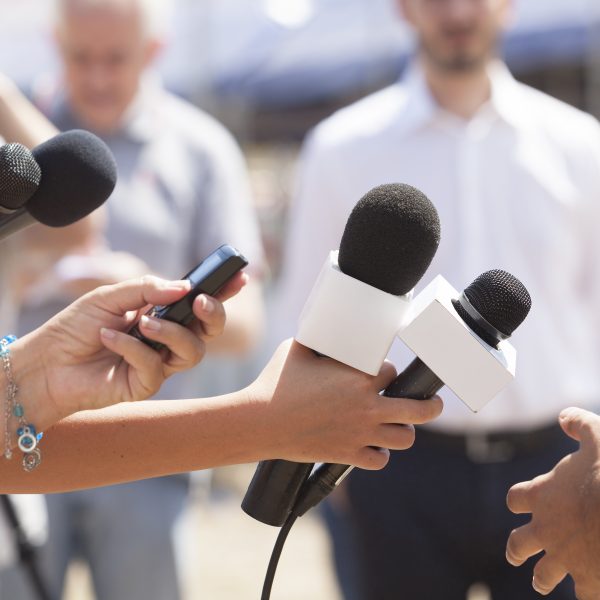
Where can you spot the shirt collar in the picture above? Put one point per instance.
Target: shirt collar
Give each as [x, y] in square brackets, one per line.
[421, 109]
[506, 97]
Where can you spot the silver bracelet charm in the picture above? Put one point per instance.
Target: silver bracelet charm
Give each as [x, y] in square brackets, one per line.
[27, 437]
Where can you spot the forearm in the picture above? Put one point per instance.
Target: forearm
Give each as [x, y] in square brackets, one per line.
[140, 440]
[20, 121]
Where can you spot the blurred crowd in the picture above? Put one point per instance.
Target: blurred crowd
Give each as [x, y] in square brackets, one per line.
[260, 124]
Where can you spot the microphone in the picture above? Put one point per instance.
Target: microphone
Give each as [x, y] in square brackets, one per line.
[388, 243]
[464, 344]
[19, 177]
[78, 173]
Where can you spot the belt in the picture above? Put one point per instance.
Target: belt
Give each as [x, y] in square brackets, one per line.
[494, 447]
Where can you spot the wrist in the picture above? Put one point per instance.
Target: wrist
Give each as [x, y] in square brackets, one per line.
[271, 438]
[30, 370]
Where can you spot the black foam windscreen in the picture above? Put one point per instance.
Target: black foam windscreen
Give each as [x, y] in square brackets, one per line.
[20, 175]
[500, 298]
[78, 174]
[390, 238]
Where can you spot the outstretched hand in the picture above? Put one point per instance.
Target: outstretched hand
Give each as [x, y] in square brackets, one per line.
[565, 509]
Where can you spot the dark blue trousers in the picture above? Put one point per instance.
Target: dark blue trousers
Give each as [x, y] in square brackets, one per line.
[434, 522]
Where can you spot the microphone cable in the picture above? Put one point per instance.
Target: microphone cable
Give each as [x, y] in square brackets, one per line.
[276, 554]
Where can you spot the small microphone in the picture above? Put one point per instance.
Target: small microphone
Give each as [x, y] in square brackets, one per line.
[493, 306]
[20, 177]
[78, 174]
[388, 243]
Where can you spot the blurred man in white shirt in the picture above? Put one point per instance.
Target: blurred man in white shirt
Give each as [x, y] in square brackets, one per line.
[515, 176]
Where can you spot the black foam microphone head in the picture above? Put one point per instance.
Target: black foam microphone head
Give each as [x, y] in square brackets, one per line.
[78, 174]
[19, 175]
[390, 238]
[501, 299]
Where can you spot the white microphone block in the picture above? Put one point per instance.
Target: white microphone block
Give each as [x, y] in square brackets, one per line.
[349, 320]
[471, 368]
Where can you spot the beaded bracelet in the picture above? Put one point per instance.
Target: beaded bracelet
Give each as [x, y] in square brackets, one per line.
[27, 438]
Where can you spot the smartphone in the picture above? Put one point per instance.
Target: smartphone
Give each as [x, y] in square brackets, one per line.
[206, 278]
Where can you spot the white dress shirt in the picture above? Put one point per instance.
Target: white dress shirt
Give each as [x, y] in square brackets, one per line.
[517, 187]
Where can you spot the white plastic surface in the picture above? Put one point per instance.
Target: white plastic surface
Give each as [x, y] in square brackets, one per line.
[349, 320]
[472, 369]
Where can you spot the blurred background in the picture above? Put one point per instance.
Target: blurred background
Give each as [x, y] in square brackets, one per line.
[270, 70]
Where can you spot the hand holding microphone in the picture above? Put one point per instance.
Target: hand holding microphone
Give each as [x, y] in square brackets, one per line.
[460, 342]
[355, 311]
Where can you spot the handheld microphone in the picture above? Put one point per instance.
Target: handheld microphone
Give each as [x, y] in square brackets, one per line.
[492, 307]
[78, 173]
[389, 241]
[20, 177]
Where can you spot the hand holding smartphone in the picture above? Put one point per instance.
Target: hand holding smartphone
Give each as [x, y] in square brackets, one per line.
[206, 278]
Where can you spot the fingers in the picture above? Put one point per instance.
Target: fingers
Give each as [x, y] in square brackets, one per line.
[146, 362]
[372, 459]
[186, 349]
[578, 423]
[211, 317]
[522, 543]
[519, 498]
[547, 574]
[407, 411]
[396, 437]
[386, 375]
[136, 293]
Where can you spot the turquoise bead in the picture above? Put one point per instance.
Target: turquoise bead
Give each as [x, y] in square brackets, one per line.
[18, 411]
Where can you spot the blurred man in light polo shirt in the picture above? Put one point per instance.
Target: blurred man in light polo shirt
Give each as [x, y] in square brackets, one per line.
[182, 191]
[515, 176]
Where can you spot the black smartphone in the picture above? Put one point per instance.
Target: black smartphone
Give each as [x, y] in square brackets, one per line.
[206, 278]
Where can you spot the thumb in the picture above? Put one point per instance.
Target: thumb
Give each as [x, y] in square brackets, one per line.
[137, 293]
[577, 423]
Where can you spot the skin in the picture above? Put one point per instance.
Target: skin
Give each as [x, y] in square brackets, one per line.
[105, 50]
[457, 39]
[565, 514]
[302, 407]
[83, 359]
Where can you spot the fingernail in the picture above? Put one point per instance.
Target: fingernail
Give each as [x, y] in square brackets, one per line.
[107, 334]
[150, 323]
[182, 284]
[205, 304]
[566, 413]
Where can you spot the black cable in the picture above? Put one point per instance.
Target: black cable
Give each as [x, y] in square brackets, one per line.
[270, 576]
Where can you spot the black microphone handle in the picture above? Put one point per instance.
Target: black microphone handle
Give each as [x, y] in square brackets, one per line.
[417, 382]
[278, 486]
[274, 489]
